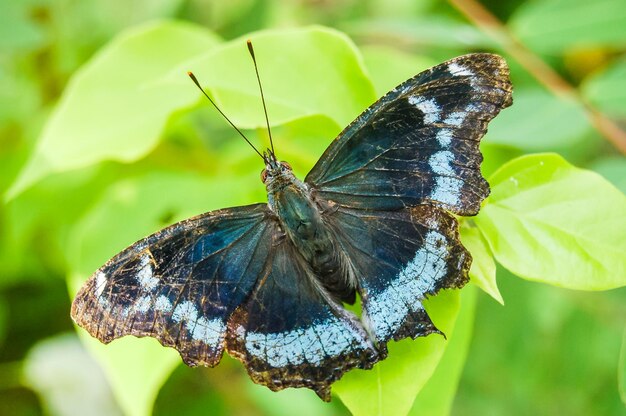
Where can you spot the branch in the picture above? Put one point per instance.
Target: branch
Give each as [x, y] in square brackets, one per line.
[488, 23]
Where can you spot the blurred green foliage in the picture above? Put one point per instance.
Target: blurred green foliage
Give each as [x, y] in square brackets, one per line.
[103, 140]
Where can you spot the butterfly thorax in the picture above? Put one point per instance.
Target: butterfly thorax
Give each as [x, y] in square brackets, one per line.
[301, 218]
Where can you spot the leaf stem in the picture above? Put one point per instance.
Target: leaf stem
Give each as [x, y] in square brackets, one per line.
[546, 75]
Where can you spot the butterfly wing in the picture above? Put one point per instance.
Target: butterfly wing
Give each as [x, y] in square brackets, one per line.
[394, 172]
[181, 284]
[228, 277]
[419, 143]
[231, 279]
[291, 334]
[399, 257]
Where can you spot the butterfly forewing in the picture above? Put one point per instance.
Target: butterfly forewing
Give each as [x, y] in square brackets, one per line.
[181, 284]
[419, 143]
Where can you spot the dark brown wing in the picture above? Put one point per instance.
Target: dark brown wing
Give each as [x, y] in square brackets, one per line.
[181, 284]
[227, 278]
[291, 334]
[399, 258]
[419, 143]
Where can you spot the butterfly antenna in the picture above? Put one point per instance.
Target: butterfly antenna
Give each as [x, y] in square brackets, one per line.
[256, 69]
[195, 81]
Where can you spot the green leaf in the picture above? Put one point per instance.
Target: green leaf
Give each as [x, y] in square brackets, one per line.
[549, 221]
[429, 31]
[18, 32]
[613, 169]
[118, 104]
[438, 394]
[539, 121]
[192, 391]
[4, 320]
[554, 26]
[136, 368]
[394, 8]
[34, 234]
[288, 402]
[392, 385]
[115, 107]
[388, 67]
[303, 141]
[318, 71]
[496, 155]
[621, 370]
[108, 12]
[483, 271]
[532, 356]
[66, 378]
[607, 89]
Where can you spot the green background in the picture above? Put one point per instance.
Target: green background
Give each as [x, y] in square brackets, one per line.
[103, 140]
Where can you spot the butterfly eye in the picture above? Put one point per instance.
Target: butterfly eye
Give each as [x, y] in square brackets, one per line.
[285, 165]
[263, 175]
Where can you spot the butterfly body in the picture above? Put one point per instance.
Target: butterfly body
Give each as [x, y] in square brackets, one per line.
[373, 218]
[301, 217]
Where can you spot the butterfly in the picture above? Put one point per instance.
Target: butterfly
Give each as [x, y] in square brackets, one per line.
[373, 219]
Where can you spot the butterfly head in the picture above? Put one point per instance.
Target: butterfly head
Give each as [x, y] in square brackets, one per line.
[273, 168]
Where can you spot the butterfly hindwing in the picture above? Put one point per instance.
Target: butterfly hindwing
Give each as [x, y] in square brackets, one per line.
[419, 142]
[291, 334]
[400, 257]
[227, 277]
[181, 284]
